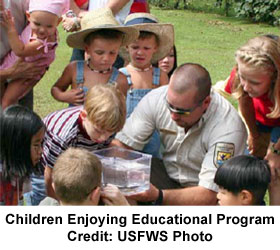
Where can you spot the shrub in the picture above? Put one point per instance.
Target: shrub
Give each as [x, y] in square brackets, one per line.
[259, 10]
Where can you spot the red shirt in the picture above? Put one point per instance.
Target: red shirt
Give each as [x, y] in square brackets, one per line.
[138, 6]
[80, 3]
[263, 105]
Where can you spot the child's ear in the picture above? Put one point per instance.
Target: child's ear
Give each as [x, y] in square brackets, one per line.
[59, 20]
[53, 186]
[95, 195]
[27, 13]
[83, 114]
[246, 197]
[86, 48]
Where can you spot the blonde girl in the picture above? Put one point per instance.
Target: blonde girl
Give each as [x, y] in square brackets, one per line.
[256, 84]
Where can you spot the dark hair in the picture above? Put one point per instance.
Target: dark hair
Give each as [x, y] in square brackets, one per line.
[108, 34]
[147, 34]
[244, 172]
[175, 62]
[272, 36]
[18, 125]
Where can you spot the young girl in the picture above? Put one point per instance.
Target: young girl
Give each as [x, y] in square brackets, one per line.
[38, 40]
[154, 42]
[242, 180]
[22, 133]
[169, 63]
[256, 83]
[101, 36]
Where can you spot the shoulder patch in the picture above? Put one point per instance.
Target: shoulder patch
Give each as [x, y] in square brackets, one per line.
[223, 151]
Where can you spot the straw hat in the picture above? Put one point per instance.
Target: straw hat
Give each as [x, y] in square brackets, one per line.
[147, 22]
[96, 20]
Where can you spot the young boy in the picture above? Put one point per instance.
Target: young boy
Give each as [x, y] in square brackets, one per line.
[90, 127]
[154, 42]
[242, 180]
[77, 180]
[101, 37]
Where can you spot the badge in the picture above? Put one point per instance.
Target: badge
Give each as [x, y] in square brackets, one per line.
[223, 151]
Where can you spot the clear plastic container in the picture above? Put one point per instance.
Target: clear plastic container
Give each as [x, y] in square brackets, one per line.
[127, 169]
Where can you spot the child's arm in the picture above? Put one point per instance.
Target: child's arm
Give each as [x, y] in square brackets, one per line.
[59, 89]
[17, 46]
[164, 79]
[248, 113]
[116, 6]
[112, 196]
[122, 83]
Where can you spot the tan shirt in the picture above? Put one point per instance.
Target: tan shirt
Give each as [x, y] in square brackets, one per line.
[190, 158]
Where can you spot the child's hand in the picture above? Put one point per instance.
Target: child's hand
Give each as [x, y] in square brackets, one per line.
[111, 195]
[69, 24]
[7, 20]
[74, 96]
[257, 145]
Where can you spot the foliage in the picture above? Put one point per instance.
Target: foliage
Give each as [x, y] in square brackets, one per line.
[259, 10]
[256, 10]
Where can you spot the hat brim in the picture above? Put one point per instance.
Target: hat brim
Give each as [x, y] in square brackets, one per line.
[165, 34]
[77, 39]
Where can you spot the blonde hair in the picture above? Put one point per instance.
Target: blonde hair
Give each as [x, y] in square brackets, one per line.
[105, 106]
[261, 52]
[75, 175]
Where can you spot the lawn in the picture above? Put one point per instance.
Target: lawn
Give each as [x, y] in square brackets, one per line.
[207, 39]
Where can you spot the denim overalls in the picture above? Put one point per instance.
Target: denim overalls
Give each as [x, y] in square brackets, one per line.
[133, 98]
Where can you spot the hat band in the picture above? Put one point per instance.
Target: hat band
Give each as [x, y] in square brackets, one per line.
[139, 20]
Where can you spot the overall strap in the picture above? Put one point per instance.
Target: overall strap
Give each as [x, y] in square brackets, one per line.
[80, 72]
[156, 76]
[128, 76]
[114, 75]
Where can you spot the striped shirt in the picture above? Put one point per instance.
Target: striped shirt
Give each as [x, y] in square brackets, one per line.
[63, 130]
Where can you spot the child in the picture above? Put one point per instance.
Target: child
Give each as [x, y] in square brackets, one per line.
[154, 42]
[101, 36]
[38, 40]
[256, 83]
[22, 132]
[77, 180]
[169, 63]
[91, 127]
[242, 180]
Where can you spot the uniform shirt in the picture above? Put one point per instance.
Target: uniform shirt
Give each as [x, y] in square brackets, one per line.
[190, 158]
[63, 130]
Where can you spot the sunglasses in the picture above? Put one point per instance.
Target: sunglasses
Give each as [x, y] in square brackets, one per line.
[180, 111]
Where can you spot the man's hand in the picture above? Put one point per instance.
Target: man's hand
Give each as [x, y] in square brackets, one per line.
[149, 195]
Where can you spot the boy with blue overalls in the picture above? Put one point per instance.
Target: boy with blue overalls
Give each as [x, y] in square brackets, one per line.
[101, 36]
[154, 42]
